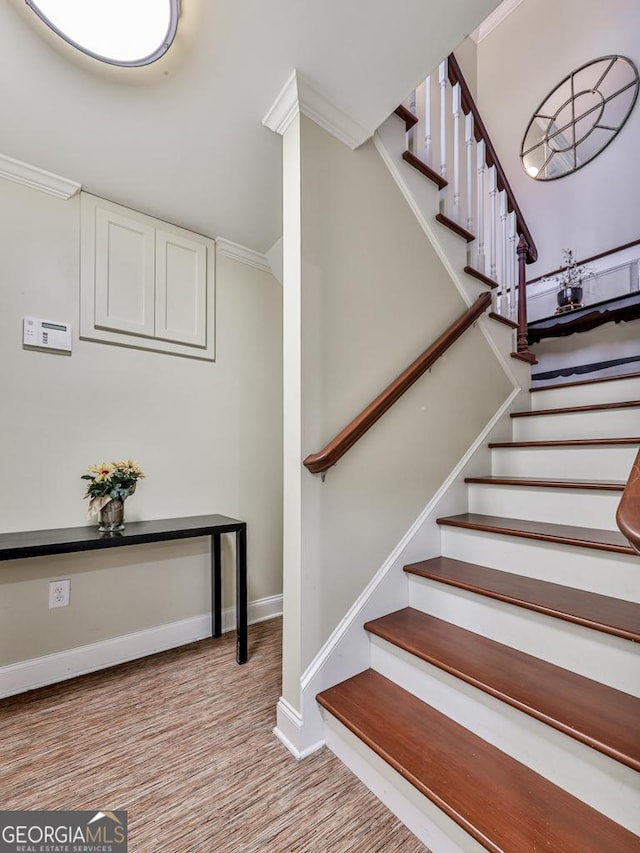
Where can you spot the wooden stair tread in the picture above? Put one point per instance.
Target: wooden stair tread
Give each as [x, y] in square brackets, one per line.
[410, 119]
[527, 356]
[599, 716]
[455, 227]
[501, 803]
[474, 273]
[425, 170]
[594, 485]
[598, 612]
[563, 534]
[570, 442]
[507, 322]
[596, 407]
[635, 375]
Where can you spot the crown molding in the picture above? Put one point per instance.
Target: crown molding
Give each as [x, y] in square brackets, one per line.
[37, 179]
[243, 255]
[298, 96]
[495, 19]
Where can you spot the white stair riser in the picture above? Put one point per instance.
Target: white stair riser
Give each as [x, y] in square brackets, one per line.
[438, 832]
[603, 783]
[607, 423]
[585, 394]
[595, 462]
[584, 508]
[604, 572]
[593, 654]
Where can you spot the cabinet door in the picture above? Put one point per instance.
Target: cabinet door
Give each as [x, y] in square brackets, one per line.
[124, 274]
[181, 289]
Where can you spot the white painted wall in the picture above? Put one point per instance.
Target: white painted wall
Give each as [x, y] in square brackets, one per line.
[364, 298]
[207, 434]
[519, 63]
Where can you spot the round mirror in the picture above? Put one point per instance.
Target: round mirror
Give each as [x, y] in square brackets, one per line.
[579, 118]
[120, 32]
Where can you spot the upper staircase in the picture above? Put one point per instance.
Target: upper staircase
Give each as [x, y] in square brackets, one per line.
[501, 711]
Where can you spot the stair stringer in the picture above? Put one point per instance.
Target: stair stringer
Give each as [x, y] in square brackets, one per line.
[347, 650]
[422, 197]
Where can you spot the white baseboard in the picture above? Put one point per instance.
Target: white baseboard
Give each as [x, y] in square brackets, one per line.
[48, 669]
[289, 731]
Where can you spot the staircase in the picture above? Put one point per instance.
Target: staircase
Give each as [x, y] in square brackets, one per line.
[500, 709]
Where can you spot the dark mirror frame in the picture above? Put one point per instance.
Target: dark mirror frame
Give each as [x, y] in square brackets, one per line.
[567, 100]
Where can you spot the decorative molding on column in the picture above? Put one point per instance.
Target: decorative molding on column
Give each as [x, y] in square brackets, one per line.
[242, 254]
[298, 96]
[37, 179]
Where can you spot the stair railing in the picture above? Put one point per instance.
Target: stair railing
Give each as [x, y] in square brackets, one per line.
[475, 194]
[628, 514]
[319, 463]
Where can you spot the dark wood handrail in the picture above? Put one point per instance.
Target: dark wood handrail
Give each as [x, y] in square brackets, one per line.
[481, 133]
[320, 462]
[628, 515]
[587, 260]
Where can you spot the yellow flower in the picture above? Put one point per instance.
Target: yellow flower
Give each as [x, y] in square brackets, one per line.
[102, 470]
[129, 465]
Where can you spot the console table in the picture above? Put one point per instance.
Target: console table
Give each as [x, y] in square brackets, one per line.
[41, 543]
[615, 310]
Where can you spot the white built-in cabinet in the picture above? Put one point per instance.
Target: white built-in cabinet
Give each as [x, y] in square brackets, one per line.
[145, 283]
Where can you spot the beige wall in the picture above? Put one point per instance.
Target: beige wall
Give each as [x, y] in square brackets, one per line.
[208, 436]
[519, 63]
[373, 295]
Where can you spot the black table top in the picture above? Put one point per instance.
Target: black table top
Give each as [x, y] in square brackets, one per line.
[40, 543]
[620, 301]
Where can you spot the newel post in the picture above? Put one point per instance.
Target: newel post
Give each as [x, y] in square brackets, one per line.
[522, 345]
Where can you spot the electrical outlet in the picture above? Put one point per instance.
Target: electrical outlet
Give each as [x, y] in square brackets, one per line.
[59, 593]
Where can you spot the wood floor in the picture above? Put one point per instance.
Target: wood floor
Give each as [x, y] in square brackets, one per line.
[183, 741]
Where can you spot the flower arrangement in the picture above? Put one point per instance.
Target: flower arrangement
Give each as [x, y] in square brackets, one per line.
[572, 274]
[110, 481]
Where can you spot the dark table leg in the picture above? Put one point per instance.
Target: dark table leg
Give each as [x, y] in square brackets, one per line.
[216, 586]
[242, 641]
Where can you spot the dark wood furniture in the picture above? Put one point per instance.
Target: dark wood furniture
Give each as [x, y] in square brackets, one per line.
[615, 310]
[42, 543]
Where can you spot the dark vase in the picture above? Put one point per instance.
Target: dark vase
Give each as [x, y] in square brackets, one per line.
[570, 296]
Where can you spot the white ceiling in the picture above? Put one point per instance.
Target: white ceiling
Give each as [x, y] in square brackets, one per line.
[184, 140]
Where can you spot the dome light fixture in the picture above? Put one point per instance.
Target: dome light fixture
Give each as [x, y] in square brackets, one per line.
[129, 33]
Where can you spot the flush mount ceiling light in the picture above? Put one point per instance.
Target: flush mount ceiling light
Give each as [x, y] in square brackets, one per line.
[120, 32]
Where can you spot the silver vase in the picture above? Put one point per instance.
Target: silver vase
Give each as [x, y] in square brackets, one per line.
[111, 517]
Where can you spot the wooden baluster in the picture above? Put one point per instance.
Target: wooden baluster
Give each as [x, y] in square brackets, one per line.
[428, 145]
[468, 139]
[480, 198]
[455, 112]
[493, 215]
[522, 345]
